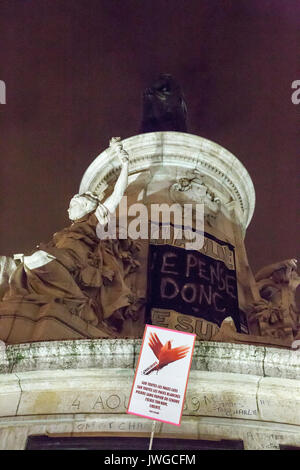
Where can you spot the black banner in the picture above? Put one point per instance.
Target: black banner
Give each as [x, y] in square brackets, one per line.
[198, 283]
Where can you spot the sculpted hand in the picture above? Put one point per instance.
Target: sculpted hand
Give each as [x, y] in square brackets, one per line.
[279, 272]
[283, 272]
[289, 263]
[116, 145]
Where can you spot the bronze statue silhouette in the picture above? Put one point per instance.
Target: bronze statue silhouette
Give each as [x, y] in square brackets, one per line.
[164, 108]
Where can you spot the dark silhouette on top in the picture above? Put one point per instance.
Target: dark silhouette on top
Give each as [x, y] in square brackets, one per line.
[164, 108]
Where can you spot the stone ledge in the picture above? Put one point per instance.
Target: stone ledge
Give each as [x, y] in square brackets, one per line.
[255, 435]
[123, 354]
[102, 391]
[82, 387]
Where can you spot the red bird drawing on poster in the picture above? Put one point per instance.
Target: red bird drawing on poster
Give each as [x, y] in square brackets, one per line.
[164, 353]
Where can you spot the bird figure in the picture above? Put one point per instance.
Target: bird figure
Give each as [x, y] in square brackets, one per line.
[165, 353]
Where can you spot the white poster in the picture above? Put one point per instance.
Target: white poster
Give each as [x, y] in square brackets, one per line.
[161, 377]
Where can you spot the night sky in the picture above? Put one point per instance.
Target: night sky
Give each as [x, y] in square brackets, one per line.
[75, 70]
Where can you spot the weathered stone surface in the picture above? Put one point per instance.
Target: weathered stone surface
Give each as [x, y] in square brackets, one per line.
[80, 387]
[81, 391]
[255, 435]
[222, 394]
[4, 364]
[279, 400]
[10, 393]
[98, 353]
[123, 354]
[13, 438]
[228, 357]
[218, 394]
[282, 363]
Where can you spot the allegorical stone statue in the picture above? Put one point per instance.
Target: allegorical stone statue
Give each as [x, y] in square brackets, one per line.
[276, 312]
[164, 108]
[75, 275]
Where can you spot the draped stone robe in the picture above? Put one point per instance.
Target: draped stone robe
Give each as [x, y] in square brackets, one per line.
[85, 277]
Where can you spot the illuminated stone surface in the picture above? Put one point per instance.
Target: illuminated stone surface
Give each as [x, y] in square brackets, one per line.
[234, 392]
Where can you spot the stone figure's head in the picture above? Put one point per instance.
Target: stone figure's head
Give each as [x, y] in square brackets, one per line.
[164, 108]
[82, 204]
[185, 184]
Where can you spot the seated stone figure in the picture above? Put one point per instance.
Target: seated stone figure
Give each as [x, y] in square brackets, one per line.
[276, 311]
[76, 280]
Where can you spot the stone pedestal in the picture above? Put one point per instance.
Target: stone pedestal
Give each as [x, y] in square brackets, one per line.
[174, 167]
[214, 282]
[81, 388]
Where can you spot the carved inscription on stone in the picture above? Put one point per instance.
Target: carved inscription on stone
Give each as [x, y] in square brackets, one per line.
[214, 405]
[112, 426]
[101, 402]
[195, 404]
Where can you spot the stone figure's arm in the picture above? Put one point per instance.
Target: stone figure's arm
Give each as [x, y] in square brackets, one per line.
[114, 199]
[267, 271]
[7, 268]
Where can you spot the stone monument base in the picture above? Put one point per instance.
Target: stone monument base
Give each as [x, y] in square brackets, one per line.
[48, 327]
[59, 327]
[228, 334]
[81, 388]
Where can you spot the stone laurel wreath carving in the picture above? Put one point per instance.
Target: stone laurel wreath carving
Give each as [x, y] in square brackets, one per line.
[75, 277]
[276, 311]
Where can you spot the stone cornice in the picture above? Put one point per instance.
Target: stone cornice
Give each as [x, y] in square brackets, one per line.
[177, 149]
[244, 392]
[123, 354]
